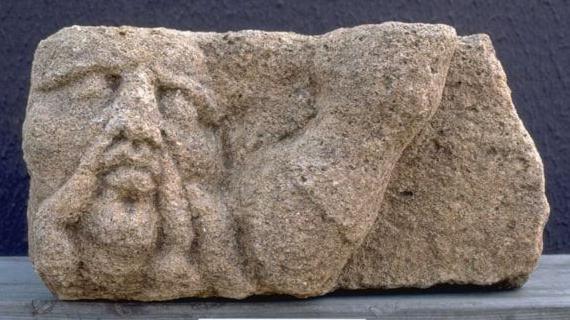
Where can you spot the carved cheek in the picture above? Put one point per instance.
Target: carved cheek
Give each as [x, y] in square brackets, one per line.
[65, 119]
[52, 132]
[195, 146]
[196, 151]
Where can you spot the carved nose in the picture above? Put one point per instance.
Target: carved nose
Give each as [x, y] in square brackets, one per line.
[135, 113]
[136, 127]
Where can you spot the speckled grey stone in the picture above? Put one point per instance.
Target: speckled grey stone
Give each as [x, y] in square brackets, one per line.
[169, 164]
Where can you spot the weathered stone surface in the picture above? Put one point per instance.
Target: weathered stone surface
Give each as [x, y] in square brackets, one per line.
[170, 164]
[465, 203]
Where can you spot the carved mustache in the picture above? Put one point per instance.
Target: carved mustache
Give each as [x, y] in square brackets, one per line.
[133, 154]
[131, 166]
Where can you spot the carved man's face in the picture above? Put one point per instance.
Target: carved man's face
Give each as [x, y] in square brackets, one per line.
[153, 107]
[163, 153]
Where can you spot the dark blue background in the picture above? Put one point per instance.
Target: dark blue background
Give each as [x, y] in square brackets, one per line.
[532, 39]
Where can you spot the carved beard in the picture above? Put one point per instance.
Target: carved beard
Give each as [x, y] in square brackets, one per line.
[123, 222]
[122, 218]
[124, 213]
[143, 220]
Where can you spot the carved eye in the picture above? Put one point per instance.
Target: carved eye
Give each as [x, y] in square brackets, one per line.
[186, 104]
[95, 85]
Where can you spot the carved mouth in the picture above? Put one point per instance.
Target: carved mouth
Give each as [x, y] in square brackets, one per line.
[132, 180]
[131, 167]
[126, 153]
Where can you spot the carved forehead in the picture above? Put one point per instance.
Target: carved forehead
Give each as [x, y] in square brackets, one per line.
[82, 49]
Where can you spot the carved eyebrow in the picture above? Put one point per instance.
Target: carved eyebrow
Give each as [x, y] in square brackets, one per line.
[193, 89]
[53, 80]
[173, 80]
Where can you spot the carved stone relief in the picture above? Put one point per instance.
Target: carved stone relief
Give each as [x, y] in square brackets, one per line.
[169, 164]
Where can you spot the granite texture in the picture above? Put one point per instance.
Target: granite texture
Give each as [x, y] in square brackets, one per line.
[531, 39]
[169, 164]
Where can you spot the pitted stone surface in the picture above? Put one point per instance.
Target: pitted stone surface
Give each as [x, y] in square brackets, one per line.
[465, 203]
[169, 164]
